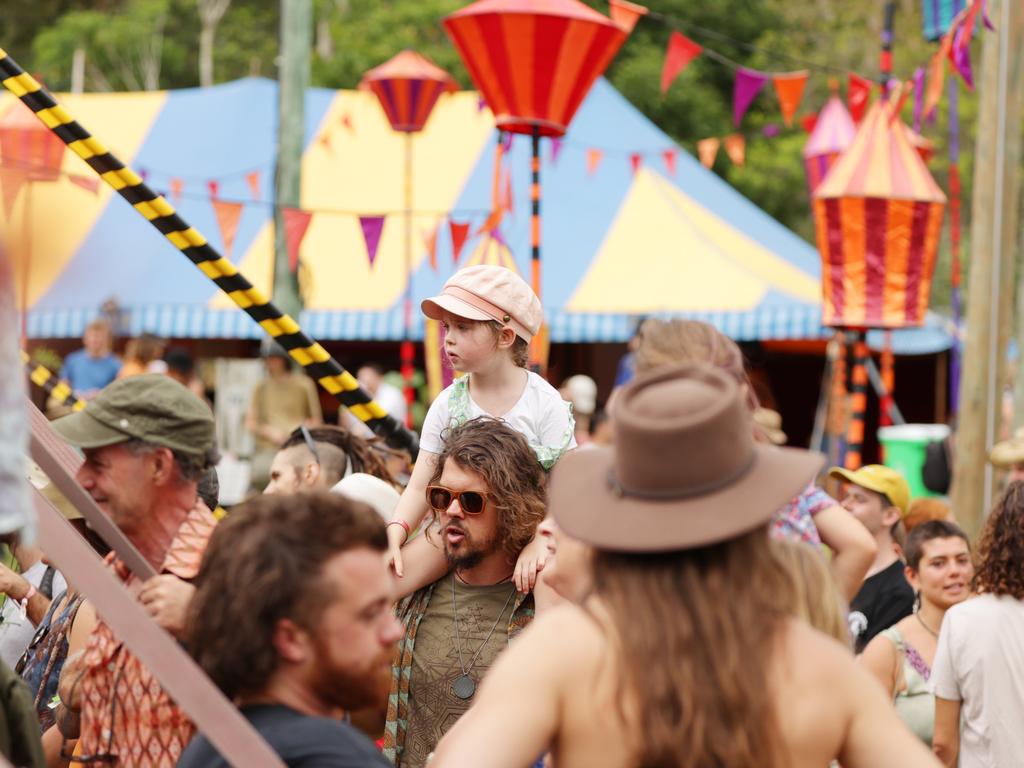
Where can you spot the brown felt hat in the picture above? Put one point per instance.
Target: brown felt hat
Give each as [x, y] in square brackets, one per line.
[684, 471]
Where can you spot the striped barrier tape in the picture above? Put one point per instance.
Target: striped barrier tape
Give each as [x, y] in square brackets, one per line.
[308, 353]
[51, 384]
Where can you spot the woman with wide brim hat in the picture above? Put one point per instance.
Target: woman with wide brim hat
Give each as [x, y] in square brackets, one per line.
[684, 653]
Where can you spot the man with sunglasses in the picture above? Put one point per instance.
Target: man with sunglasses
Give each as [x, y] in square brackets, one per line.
[487, 495]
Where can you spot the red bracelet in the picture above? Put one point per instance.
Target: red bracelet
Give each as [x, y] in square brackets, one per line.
[404, 524]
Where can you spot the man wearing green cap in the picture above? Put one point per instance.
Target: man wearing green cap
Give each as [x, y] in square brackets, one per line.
[878, 496]
[147, 440]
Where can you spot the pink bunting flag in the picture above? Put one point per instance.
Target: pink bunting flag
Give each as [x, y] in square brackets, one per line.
[635, 161]
[227, 215]
[253, 180]
[681, 51]
[372, 227]
[707, 151]
[556, 150]
[736, 148]
[88, 183]
[296, 222]
[594, 157]
[214, 187]
[177, 187]
[669, 156]
[747, 85]
[459, 232]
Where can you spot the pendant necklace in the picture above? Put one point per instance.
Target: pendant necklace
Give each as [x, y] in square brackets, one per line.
[465, 686]
[931, 631]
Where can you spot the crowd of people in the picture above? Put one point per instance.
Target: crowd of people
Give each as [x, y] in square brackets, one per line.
[658, 582]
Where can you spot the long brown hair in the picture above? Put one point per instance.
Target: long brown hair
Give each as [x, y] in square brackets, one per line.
[696, 631]
[1000, 568]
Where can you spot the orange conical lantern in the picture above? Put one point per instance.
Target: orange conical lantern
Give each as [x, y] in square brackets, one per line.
[878, 216]
[408, 86]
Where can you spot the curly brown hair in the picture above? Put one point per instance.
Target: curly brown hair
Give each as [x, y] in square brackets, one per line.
[516, 482]
[263, 564]
[1000, 568]
[696, 633]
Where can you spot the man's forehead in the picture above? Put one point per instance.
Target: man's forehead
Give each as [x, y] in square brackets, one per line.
[361, 573]
[461, 478]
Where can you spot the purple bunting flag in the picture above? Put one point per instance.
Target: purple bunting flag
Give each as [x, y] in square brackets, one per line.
[556, 150]
[748, 84]
[372, 227]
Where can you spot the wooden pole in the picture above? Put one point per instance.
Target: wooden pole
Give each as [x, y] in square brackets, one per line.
[993, 213]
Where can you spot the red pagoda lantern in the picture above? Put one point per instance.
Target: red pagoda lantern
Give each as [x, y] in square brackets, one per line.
[408, 86]
[534, 61]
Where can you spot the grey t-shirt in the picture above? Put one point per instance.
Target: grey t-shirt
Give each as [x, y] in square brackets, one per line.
[16, 630]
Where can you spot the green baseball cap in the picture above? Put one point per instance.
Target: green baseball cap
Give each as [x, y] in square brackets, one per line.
[150, 407]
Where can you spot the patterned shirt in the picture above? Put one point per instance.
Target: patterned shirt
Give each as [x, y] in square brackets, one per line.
[795, 521]
[126, 714]
[410, 612]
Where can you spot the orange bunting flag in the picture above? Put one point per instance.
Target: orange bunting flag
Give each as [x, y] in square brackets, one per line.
[635, 161]
[325, 141]
[593, 160]
[625, 14]
[253, 180]
[296, 222]
[88, 183]
[681, 51]
[736, 148]
[858, 93]
[346, 120]
[228, 215]
[430, 241]
[669, 156]
[789, 87]
[707, 151]
[459, 232]
[177, 187]
[936, 76]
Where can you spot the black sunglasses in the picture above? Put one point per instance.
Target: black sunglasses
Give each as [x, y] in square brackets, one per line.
[309, 443]
[440, 498]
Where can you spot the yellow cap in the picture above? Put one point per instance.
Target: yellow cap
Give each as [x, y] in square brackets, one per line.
[880, 479]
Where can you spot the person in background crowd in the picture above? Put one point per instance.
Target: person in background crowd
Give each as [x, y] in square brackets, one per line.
[280, 403]
[581, 391]
[978, 672]
[925, 509]
[28, 585]
[813, 516]
[143, 355]
[182, 368]
[684, 653]
[878, 497]
[939, 569]
[601, 433]
[321, 457]
[388, 396]
[90, 369]
[1008, 455]
[322, 639]
[770, 424]
[147, 441]
[488, 495]
[816, 596]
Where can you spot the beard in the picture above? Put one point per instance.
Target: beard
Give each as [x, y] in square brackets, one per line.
[470, 551]
[352, 689]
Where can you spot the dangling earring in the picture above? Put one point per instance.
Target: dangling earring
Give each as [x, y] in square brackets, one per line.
[917, 600]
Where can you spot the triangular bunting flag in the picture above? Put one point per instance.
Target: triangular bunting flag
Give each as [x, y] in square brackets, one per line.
[858, 94]
[177, 187]
[770, 131]
[253, 180]
[12, 181]
[214, 187]
[593, 160]
[747, 85]
[707, 151]
[143, 174]
[809, 121]
[296, 222]
[346, 120]
[789, 87]
[88, 183]
[228, 215]
[625, 14]
[459, 232]
[635, 161]
[493, 221]
[430, 242]
[669, 156]
[480, 104]
[507, 199]
[681, 51]
[372, 227]
[556, 150]
[325, 141]
[936, 76]
[918, 98]
[736, 148]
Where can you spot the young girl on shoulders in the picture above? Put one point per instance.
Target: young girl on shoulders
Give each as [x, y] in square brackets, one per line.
[489, 315]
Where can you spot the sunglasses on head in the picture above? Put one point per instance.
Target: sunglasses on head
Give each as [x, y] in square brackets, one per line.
[440, 498]
[310, 443]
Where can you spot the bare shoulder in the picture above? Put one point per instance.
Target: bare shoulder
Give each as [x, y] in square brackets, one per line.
[567, 628]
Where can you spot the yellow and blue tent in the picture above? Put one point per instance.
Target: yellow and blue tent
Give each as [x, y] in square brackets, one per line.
[619, 241]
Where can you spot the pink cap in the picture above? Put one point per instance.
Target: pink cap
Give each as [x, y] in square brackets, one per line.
[487, 292]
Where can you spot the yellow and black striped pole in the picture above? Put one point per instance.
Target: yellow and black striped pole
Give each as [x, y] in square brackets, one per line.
[161, 214]
[51, 384]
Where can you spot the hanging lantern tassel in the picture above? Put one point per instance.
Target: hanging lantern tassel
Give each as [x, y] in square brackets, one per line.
[858, 403]
[888, 382]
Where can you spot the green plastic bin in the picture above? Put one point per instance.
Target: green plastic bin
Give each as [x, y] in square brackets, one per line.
[903, 449]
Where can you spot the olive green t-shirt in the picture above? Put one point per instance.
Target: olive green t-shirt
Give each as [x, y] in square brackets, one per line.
[433, 706]
[285, 404]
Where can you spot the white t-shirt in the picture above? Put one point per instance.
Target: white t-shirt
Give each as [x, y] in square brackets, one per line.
[540, 414]
[980, 662]
[16, 631]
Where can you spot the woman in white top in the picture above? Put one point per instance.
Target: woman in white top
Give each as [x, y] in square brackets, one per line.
[978, 673]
